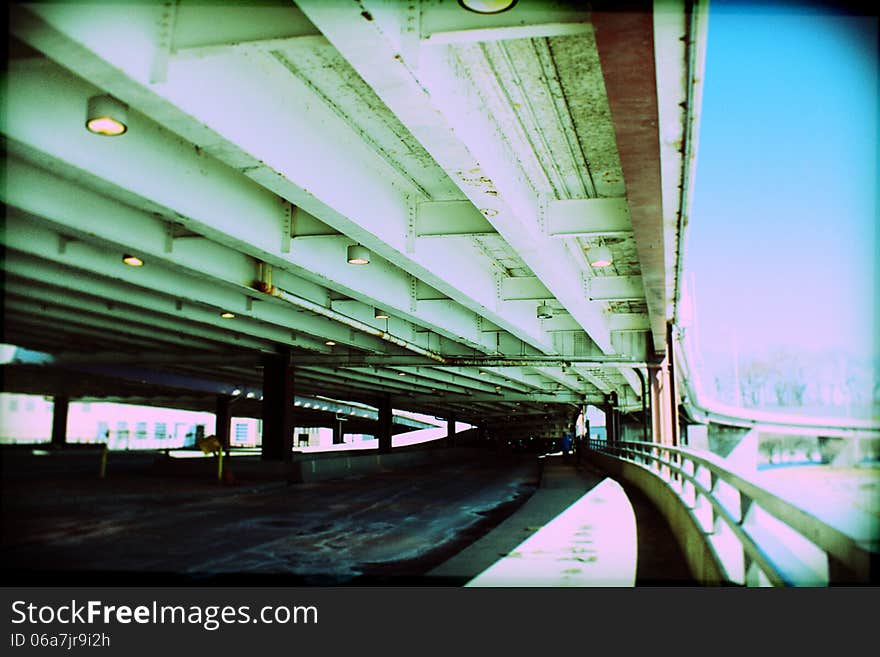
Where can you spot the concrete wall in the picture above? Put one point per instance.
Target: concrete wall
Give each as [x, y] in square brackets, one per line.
[700, 555]
[347, 465]
[321, 466]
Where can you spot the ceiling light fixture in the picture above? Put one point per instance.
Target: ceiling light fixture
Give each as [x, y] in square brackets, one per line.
[106, 116]
[380, 314]
[544, 311]
[358, 255]
[330, 343]
[401, 374]
[132, 260]
[600, 256]
[227, 315]
[487, 6]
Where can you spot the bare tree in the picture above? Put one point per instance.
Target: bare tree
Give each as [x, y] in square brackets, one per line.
[753, 377]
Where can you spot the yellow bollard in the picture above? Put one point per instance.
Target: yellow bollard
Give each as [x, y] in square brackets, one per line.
[104, 460]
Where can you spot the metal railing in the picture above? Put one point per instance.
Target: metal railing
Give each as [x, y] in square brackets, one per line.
[756, 537]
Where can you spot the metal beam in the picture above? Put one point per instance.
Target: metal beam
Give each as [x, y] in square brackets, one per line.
[519, 288]
[593, 378]
[198, 256]
[444, 376]
[415, 382]
[496, 364]
[263, 162]
[63, 317]
[614, 288]
[526, 19]
[216, 198]
[433, 401]
[202, 258]
[588, 217]
[109, 314]
[377, 379]
[29, 329]
[165, 304]
[445, 113]
[218, 359]
[559, 376]
[445, 218]
[625, 41]
[234, 23]
[629, 322]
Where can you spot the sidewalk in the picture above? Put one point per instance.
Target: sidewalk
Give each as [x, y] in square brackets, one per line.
[577, 529]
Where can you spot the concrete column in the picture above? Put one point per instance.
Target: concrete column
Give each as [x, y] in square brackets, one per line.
[222, 421]
[664, 417]
[59, 420]
[337, 432]
[615, 413]
[673, 393]
[655, 385]
[612, 428]
[277, 407]
[450, 430]
[385, 422]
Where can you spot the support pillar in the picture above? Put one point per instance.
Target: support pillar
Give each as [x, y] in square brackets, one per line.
[338, 435]
[644, 386]
[222, 419]
[385, 422]
[612, 419]
[609, 423]
[60, 408]
[277, 407]
[673, 392]
[662, 414]
[450, 431]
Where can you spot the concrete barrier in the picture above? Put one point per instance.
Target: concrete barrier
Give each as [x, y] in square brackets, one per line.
[347, 465]
[700, 555]
[319, 466]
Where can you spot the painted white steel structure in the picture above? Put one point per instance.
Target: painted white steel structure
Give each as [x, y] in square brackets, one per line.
[475, 157]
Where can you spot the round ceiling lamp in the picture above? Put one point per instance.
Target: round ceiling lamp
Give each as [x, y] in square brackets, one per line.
[600, 256]
[487, 6]
[380, 314]
[358, 255]
[132, 260]
[106, 116]
[544, 311]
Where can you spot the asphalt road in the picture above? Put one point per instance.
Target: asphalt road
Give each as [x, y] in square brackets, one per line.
[64, 526]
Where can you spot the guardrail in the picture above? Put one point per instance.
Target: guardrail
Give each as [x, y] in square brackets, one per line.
[755, 537]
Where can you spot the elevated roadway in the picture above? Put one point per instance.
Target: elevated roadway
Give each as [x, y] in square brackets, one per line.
[406, 205]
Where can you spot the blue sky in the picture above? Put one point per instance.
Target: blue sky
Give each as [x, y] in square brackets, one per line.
[783, 228]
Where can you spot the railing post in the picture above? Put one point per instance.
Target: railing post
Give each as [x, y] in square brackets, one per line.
[757, 538]
[688, 492]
